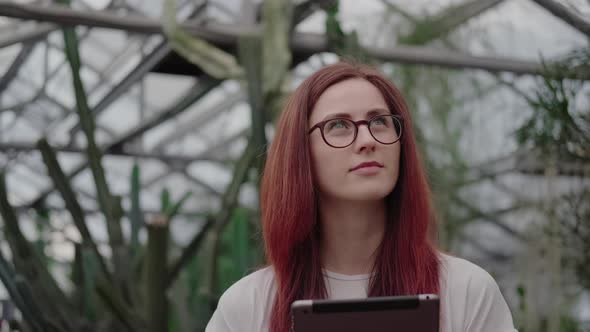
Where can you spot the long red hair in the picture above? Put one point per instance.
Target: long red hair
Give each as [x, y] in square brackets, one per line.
[406, 261]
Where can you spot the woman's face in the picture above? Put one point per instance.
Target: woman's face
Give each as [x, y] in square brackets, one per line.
[334, 168]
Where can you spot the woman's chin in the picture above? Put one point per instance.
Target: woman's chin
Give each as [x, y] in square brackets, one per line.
[367, 194]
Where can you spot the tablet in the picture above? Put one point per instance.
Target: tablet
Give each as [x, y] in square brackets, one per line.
[375, 314]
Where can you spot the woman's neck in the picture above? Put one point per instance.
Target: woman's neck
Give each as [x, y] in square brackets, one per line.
[351, 233]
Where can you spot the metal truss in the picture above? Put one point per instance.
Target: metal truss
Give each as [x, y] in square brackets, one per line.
[303, 44]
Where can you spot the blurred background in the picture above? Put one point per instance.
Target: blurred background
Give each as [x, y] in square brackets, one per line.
[132, 137]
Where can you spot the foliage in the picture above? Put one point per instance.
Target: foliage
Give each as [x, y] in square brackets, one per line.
[573, 212]
[558, 132]
[346, 45]
[560, 125]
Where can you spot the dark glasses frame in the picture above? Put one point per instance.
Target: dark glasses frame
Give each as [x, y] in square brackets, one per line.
[322, 124]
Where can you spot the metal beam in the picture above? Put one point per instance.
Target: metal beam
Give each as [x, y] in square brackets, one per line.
[302, 44]
[200, 182]
[66, 110]
[422, 55]
[27, 34]
[205, 155]
[535, 164]
[176, 159]
[12, 71]
[221, 145]
[145, 65]
[565, 14]
[524, 161]
[195, 93]
[193, 214]
[199, 121]
[63, 15]
[204, 86]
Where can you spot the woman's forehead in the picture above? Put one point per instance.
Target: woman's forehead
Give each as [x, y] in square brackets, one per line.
[356, 98]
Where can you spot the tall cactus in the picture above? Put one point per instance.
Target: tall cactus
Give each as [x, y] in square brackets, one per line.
[109, 204]
[135, 216]
[30, 313]
[27, 263]
[156, 263]
[63, 186]
[155, 275]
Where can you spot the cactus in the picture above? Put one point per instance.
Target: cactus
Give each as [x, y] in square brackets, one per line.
[135, 215]
[213, 61]
[8, 278]
[30, 266]
[63, 186]
[156, 274]
[128, 290]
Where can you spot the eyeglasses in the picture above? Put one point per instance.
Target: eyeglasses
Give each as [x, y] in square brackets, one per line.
[341, 132]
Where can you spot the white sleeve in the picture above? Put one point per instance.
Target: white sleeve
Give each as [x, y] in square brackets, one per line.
[234, 311]
[486, 309]
[245, 305]
[218, 322]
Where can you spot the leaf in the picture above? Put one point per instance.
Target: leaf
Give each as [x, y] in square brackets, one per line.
[165, 200]
[344, 44]
[174, 209]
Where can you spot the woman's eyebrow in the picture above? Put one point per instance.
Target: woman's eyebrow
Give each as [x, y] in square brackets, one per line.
[336, 115]
[370, 113]
[377, 111]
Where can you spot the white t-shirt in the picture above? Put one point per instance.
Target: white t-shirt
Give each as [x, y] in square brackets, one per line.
[470, 299]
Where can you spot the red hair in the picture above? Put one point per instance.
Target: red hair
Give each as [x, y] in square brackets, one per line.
[406, 262]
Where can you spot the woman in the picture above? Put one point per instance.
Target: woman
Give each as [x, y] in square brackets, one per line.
[346, 213]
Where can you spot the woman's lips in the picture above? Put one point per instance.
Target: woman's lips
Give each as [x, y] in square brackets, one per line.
[366, 165]
[367, 168]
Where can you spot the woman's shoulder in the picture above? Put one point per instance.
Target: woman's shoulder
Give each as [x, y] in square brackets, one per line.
[245, 305]
[253, 287]
[460, 271]
[257, 280]
[471, 297]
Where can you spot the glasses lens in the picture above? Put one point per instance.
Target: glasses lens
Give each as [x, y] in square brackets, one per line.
[386, 129]
[339, 132]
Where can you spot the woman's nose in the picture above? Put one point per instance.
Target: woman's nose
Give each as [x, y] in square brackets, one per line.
[364, 139]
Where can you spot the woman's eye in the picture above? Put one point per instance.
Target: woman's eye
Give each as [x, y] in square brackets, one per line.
[380, 121]
[337, 124]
